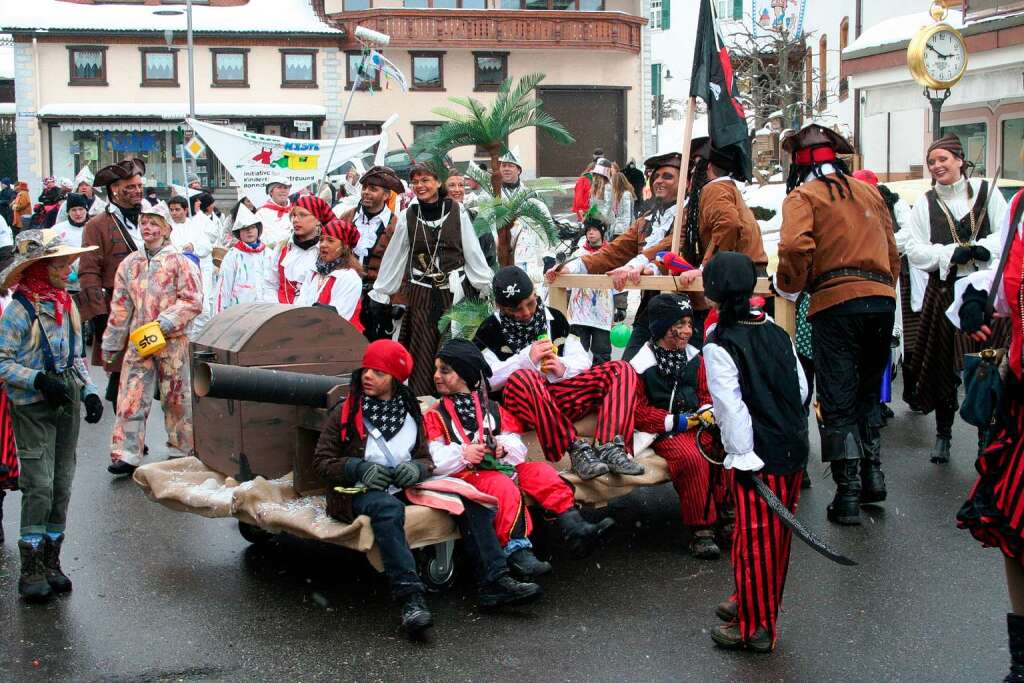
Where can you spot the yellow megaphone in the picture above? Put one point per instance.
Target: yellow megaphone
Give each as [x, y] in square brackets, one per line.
[148, 339]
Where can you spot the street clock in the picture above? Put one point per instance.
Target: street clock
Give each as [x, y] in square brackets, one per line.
[937, 55]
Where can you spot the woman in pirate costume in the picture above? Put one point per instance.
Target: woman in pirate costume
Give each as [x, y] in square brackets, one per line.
[373, 446]
[951, 236]
[436, 261]
[758, 392]
[493, 459]
[994, 510]
[673, 390]
[336, 280]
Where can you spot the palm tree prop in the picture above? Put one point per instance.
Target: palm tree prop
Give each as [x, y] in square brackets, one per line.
[463, 318]
[489, 127]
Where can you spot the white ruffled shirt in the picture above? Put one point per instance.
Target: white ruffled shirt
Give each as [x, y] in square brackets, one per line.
[345, 293]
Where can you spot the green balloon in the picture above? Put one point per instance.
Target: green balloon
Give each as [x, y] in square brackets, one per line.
[620, 335]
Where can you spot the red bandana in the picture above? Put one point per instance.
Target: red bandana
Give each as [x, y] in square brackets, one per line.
[281, 210]
[35, 284]
[242, 246]
[814, 155]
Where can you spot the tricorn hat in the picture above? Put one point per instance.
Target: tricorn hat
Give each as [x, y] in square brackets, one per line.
[120, 171]
[383, 176]
[35, 245]
[674, 159]
[816, 135]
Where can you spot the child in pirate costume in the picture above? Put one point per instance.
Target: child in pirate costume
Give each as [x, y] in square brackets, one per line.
[46, 380]
[493, 459]
[548, 382]
[246, 272]
[374, 444]
[758, 391]
[336, 280]
[295, 258]
[435, 261]
[673, 389]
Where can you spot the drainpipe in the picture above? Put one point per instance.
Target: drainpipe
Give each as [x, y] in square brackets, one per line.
[888, 146]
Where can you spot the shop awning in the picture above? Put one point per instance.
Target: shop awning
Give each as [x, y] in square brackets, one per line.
[119, 125]
[125, 113]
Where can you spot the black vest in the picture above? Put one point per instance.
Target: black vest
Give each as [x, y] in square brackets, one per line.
[940, 226]
[449, 252]
[451, 419]
[490, 337]
[659, 387]
[769, 383]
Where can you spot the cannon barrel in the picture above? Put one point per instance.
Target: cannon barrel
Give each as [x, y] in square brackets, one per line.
[215, 380]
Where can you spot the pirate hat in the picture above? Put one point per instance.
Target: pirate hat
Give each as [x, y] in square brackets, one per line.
[129, 168]
[383, 176]
[674, 159]
[158, 209]
[511, 285]
[35, 245]
[816, 135]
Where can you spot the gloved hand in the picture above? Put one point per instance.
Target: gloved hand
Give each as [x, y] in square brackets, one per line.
[93, 409]
[961, 255]
[375, 477]
[980, 253]
[407, 474]
[165, 325]
[53, 390]
[972, 309]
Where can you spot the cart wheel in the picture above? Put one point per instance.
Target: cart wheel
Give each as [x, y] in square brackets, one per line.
[254, 534]
[437, 567]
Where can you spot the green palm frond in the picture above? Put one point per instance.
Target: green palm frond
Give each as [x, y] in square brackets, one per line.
[493, 213]
[482, 178]
[463, 319]
[540, 222]
[544, 186]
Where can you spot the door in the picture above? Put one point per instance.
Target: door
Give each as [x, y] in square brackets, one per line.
[596, 117]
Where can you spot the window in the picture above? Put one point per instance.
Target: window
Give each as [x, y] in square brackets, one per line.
[358, 129]
[974, 137]
[159, 67]
[823, 72]
[844, 40]
[582, 5]
[87, 65]
[730, 9]
[230, 68]
[1013, 149]
[298, 68]
[370, 76]
[661, 14]
[427, 70]
[656, 93]
[453, 4]
[489, 70]
[421, 129]
[356, 5]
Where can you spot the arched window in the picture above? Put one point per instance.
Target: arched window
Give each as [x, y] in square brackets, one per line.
[823, 72]
[844, 40]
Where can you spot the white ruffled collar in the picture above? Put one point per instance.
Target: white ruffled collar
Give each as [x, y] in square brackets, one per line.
[957, 189]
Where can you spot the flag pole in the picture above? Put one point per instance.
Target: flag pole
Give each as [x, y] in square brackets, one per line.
[684, 169]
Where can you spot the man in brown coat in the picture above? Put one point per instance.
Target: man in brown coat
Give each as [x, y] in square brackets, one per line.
[726, 223]
[837, 243]
[116, 234]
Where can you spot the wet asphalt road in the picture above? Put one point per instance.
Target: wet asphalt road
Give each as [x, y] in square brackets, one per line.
[161, 595]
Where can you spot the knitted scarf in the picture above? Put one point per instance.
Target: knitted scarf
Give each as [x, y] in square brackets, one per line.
[520, 335]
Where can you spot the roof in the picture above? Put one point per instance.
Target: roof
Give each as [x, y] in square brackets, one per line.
[895, 33]
[176, 111]
[257, 16]
[6, 57]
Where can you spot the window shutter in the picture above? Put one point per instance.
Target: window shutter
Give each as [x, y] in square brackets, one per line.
[655, 79]
[737, 9]
[666, 14]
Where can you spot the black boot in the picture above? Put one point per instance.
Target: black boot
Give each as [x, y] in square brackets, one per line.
[872, 479]
[845, 506]
[580, 535]
[525, 565]
[805, 481]
[32, 586]
[121, 467]
[57, 579]
[416, 618]
[507, 591]
[940, 452]
[585, 462]
[1015, 631]
[984, 436]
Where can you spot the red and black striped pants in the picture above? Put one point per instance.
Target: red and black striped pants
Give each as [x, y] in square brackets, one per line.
[551, 408]
[691, 477]
[760, 551]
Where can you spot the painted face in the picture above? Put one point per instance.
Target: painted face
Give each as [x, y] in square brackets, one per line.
[330, 248]
[178, 213]
[78, 214]
[509, 172]
[128, 192]
[665, 183]
[456, 188]
[249, 235]
[446, 380]
[154, 230]
[523, 311]
[372, 197]
[678, 336]
[378, 384]
[304, 223]
[944, 166]
[279, 194]
[59, 270]
[426, 187]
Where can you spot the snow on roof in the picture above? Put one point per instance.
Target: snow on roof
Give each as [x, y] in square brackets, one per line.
[7, 108]
[176, 111]
[898, 29]
[6, 57]
[256, 16]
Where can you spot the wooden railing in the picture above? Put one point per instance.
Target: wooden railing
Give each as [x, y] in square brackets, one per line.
[498, 29]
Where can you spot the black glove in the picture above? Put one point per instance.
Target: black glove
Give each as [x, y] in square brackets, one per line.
[375, 477]
[961, 255]
[972, 310]
[93, 409]
[407, 474]
[53, 390]
[980, 253]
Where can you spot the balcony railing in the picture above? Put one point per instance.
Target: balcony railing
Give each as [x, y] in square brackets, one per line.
[497, 29]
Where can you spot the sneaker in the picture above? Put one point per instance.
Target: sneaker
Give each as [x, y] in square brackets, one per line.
[615, 455]
[585, 463]
[416, 618]
[120, 467]
[728, 610]
[525, 565]
[507, 591]
[703, 546]
[728, 636]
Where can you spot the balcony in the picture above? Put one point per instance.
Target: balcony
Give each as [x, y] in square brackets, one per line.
[498, 29]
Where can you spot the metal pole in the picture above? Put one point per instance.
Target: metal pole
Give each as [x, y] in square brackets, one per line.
[341, 124]
[937, 103]
[191, 63]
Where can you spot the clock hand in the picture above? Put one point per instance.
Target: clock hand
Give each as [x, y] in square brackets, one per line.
[942, 56]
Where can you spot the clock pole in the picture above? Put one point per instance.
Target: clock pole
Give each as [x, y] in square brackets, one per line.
[937, 103]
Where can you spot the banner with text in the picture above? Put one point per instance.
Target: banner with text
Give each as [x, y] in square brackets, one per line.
[253, 158]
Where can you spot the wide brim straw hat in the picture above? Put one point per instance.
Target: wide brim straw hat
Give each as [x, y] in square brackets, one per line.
[36, 245]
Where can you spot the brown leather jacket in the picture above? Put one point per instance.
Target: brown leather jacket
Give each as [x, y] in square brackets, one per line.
[625, 247]
[96, 269]
[727, 224]
[336, 460]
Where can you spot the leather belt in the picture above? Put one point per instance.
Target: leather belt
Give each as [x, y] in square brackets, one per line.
[883, 278]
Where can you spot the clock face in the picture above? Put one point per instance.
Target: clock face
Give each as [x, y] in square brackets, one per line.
[944, 56]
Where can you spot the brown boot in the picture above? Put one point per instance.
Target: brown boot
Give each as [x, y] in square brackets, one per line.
[728, 636]
[57, 579]
[32, 585]
[727, 610]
